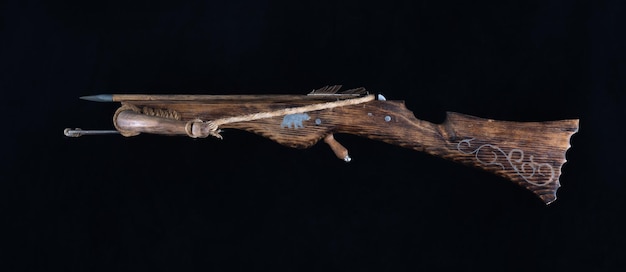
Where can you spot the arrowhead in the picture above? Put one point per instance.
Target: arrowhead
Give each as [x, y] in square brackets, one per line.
[98, 98]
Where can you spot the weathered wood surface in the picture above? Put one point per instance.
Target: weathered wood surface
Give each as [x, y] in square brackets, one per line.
[201, 98]
[530, 154]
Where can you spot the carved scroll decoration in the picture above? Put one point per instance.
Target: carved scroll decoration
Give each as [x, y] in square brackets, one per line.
[539, 174]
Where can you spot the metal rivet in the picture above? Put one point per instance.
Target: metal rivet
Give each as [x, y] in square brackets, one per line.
[318, 121]
[387, 118]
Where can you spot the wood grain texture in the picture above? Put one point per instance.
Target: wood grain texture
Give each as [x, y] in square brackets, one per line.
[326, 93]
[530, 154]
[201, 98]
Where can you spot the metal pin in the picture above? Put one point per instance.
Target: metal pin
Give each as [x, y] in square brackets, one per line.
[77, 132]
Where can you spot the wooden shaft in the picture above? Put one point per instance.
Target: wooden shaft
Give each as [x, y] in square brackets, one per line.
[225, 98]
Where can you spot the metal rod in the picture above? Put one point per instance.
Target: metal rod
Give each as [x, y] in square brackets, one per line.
[77, 132]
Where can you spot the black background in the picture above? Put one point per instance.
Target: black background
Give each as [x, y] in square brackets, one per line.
[173, 203]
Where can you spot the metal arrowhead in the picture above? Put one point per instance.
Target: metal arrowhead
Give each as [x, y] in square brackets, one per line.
[98, 98]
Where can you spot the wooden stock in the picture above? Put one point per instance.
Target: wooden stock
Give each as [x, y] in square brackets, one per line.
[530, 154]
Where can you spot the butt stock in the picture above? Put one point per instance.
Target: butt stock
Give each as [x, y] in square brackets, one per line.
[531, 154]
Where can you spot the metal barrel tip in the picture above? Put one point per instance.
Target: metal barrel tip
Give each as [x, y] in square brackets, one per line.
[98, 98]
[71, 132]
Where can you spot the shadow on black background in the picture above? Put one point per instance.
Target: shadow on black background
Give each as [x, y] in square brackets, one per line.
[174, 203]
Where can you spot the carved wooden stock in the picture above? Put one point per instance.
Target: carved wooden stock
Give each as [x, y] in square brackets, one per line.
[530, 154]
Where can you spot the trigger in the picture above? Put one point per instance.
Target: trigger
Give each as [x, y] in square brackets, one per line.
[340, 151]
